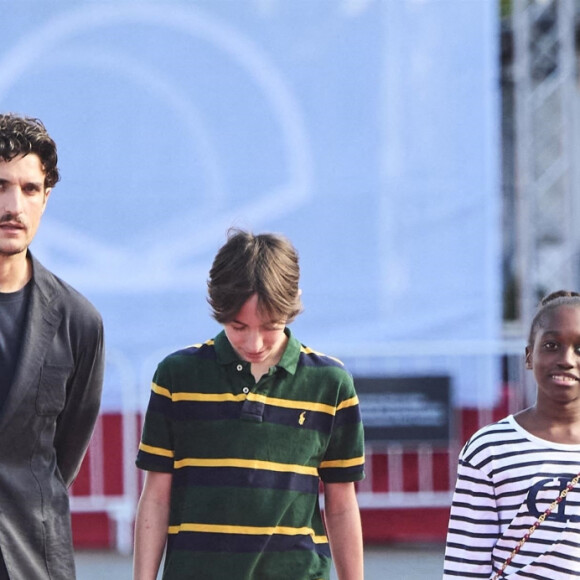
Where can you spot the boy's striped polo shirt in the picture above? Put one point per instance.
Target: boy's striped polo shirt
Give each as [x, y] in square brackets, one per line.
[247, 459]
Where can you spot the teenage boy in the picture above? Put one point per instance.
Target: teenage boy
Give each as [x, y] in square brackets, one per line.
[239, 433]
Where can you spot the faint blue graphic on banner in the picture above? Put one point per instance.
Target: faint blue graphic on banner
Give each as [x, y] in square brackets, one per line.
[366, 131]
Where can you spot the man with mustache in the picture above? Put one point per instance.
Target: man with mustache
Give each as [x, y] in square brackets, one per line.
[51, 369]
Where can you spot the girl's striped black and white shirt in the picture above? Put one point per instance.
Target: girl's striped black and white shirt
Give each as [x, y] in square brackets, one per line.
[506, 480]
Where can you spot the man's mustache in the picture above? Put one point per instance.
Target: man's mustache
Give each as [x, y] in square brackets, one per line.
[11, 218]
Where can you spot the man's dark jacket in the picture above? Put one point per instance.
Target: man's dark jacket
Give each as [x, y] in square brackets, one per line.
[45, 427]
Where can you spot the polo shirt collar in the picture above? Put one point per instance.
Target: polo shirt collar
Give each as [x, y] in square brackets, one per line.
[289, 361]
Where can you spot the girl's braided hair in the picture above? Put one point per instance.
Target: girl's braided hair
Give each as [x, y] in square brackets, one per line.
[548, 304]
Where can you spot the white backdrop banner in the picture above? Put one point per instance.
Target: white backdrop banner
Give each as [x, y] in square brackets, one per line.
[366, 131]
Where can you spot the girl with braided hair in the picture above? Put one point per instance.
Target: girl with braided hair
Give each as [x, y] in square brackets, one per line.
[516, 508]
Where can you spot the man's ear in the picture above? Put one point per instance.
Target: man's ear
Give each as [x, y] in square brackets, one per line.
[528, 358]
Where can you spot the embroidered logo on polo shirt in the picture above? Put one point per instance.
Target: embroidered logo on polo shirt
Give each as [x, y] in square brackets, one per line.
[302, 418]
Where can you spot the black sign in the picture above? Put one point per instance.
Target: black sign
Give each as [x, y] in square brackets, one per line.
[405, 409]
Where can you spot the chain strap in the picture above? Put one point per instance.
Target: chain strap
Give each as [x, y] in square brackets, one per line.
[550, 509]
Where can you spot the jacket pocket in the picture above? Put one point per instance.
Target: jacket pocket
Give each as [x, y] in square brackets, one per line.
[51, 395]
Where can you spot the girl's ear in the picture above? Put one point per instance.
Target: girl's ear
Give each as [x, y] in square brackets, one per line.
[528, 358]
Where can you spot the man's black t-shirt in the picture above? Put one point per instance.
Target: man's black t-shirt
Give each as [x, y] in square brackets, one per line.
[13, 308]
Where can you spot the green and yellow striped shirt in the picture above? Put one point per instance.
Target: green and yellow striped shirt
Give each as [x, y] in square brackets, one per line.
[247, 459]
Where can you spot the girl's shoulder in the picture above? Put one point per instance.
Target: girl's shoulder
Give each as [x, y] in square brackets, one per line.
[494, 438]
[501, 430]
[508, 438]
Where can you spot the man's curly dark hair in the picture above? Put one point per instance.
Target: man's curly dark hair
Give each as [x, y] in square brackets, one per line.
[23, 135]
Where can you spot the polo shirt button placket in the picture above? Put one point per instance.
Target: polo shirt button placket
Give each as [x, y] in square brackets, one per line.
[245, 390]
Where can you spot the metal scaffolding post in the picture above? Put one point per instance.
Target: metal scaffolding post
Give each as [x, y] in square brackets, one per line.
[545, 103]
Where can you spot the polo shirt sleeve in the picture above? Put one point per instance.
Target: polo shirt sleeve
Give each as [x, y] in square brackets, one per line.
[156, 449]
[344, 458]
